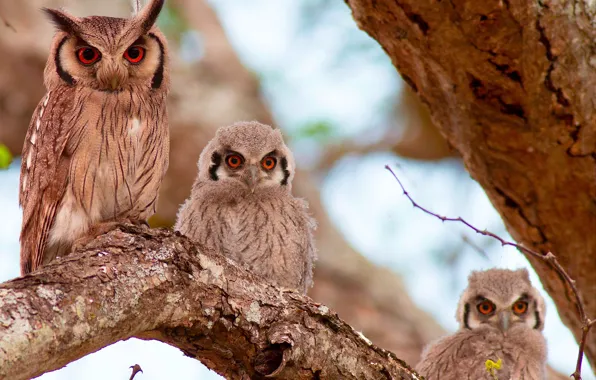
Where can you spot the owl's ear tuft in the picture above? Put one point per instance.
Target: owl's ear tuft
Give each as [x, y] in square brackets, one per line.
[148, 15]
[62, 20]
[523, 272]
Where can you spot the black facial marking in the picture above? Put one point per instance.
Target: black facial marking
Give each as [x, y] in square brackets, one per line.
[215, 162]
[61, 72]
[538, 320]
[158, 75]
[466, 315]
[284, 167]
[139, 41]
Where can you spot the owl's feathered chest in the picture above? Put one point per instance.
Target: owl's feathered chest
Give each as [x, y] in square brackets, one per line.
[466, 355]
[250, 229]
[118, 147]
[256, 228]
[271, 233]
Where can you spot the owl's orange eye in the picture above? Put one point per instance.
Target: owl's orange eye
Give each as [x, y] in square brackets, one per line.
[134, 54]
[268, 163]
[234, 161]
[520, 307]
[486, 307]
[88, 55]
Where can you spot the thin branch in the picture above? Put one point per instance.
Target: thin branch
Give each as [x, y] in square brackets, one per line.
[135, 369]
[549, 258]
[474, 246]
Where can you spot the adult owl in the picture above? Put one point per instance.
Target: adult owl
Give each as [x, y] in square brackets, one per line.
[97, 146]
[241, 205]
[501, 317]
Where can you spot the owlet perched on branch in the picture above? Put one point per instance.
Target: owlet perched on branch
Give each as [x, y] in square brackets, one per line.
[97, 146]
[242, 206]
[501, 318]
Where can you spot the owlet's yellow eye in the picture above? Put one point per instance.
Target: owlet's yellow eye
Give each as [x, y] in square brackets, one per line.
[268, 163]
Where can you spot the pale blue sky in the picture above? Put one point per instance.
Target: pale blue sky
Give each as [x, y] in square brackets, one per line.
[304, 81]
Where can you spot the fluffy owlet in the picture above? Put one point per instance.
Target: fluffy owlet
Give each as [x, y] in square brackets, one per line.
[97, 146]
[501, 318]
[242, 206]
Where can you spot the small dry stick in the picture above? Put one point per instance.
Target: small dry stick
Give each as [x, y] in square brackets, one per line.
[548, 257]
[474, 246]
[135, 369]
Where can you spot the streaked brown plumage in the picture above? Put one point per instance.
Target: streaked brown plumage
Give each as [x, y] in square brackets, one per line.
[248, 212]
[501, 316]
[98, 143]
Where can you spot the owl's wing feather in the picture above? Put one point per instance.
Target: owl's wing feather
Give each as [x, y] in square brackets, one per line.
[44, 174]
[456, 357]
[307, 224]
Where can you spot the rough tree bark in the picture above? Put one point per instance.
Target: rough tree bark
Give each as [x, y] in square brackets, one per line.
[510, 83]
[154, 284]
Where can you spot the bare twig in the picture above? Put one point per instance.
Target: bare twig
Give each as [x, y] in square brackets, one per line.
[474, 246]
[135, 369]
[549, 257]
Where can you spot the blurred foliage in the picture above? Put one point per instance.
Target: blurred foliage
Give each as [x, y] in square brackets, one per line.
[315, 16]
[172, 23]
[320, 131]
[5, 157]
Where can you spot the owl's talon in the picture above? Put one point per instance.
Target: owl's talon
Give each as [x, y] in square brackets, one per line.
[81, 243]
[140, 223]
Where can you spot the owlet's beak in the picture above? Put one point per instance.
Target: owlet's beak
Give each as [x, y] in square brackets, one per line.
[504, 320]
[252, 178]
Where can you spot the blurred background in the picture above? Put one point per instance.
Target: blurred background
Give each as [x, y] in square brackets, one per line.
[386, 268]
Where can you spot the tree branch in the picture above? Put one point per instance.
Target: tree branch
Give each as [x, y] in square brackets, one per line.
[154, 284]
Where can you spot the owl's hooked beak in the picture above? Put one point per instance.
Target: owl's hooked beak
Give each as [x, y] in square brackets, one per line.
[112, 77]
[504, 319]
[115, 83]
[252, 179]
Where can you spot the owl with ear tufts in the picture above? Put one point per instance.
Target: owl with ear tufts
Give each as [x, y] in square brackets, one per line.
[241, 205]
[501, 317]
[97, 146]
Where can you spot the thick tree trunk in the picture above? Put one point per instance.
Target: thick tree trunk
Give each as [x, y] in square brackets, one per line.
[511, 85]
[154, 284]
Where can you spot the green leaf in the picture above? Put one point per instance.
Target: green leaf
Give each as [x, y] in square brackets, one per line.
[317, 130]
[5, 157]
